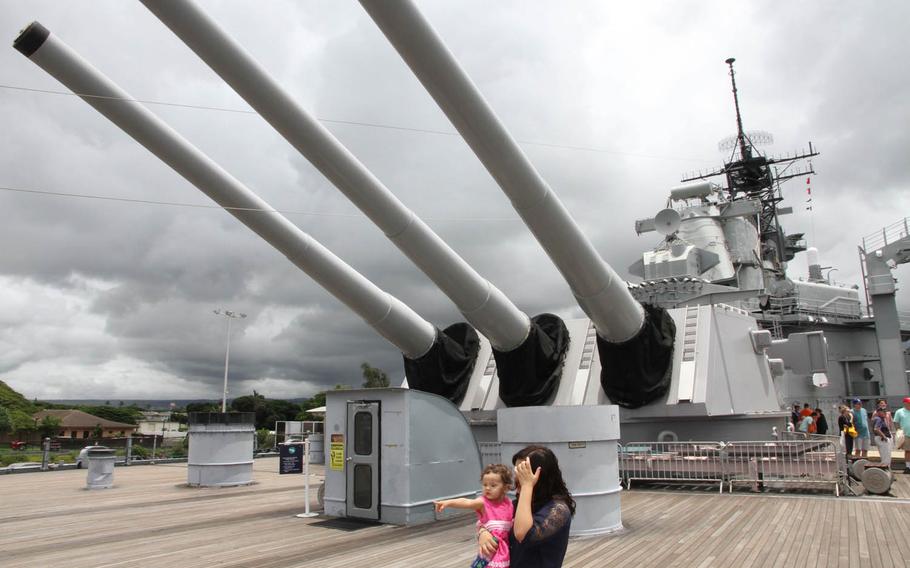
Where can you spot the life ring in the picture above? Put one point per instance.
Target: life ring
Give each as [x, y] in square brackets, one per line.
[667, 436]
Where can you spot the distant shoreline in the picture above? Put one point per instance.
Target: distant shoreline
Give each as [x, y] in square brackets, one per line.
[162, 403]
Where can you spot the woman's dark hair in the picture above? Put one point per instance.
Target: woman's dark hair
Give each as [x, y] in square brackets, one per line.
[551, 485]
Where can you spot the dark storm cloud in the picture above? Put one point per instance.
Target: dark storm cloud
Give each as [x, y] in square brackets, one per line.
[112, 299]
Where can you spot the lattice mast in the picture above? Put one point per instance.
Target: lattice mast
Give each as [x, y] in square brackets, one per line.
[754, 176]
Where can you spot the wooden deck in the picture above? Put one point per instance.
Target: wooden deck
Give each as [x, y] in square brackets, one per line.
[150, 519]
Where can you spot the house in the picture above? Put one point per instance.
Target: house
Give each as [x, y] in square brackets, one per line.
[75, 424]
[159, 424]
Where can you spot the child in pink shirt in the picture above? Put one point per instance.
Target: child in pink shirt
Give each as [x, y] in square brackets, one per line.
[494, 512]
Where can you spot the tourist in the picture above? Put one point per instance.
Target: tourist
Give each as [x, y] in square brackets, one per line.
[543, 512]
[846, 428]
[883, 405]
[805, 424]
[902, 422]
[494, 513]
[821, 422]
[861, 423]
[806, 411]
[794, 417]
[882, 436]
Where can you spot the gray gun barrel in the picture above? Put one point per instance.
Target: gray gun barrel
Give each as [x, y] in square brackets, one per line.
[411, 334]
[481, 303]
[635, 342]
[600, 292]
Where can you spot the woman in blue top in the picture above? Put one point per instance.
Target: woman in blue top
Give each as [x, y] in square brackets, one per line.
[543, 512]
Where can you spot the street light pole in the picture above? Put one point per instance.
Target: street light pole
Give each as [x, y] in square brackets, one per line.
[227, 352]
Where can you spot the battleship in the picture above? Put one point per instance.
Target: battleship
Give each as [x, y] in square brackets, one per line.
[715, 340]
[716, 336]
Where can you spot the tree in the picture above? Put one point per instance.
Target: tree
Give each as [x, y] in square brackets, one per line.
[49, 426]
[265, 440]
[23, 423]
[203, 407]
[267, 411]
[97, 432]
[6, 421]
[317, 401]
[373, 378]
[125, 415]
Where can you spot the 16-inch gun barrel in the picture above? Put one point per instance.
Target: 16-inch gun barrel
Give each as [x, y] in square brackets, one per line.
[481, 303]
[411, 334]
[635, 343]
[601, 293]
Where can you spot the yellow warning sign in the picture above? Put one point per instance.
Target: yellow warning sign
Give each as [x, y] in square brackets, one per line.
[336, 452]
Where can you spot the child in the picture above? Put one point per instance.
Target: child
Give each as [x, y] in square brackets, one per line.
[494, 512]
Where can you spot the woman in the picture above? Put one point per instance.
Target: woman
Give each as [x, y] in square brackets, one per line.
[889, 420]
[882, 435]
[543, 512]
[844, 422]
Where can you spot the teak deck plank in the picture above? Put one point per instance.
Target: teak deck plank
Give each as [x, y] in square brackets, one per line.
[151, 518]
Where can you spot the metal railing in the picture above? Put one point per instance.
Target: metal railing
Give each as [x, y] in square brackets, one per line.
[672, 461]
[903, 316]
[795, 461]
[786, 463]
[221, 418]
[842, 306]
[881, 238]
[798, 436]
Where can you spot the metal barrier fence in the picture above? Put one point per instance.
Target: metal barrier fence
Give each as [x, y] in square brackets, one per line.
[672, 461]
[786, 435]
[838, 442]
[790, 463]
[796, 461]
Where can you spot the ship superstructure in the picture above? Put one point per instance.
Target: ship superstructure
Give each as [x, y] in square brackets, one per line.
[724, 243]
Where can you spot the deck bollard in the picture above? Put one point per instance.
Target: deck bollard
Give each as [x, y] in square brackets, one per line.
[45, 453]
[100, 468]
[306, 480]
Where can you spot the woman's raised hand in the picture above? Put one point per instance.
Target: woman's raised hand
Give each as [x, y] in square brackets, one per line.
[524, 475]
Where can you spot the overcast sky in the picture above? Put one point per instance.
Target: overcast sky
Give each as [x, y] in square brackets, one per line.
[612, 102]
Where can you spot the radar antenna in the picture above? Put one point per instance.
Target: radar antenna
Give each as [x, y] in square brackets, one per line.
[752, 176]
[754, 137]
[744, 149]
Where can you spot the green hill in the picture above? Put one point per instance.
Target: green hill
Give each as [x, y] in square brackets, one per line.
[12, 400]
[17, 409]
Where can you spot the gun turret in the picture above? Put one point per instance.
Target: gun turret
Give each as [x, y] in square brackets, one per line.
[529, 353]
[635, 343]
[435, 360]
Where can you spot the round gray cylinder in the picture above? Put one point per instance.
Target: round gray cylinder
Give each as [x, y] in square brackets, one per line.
[100, 468]
[221, 449]
[584, 440]
[317, 448]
